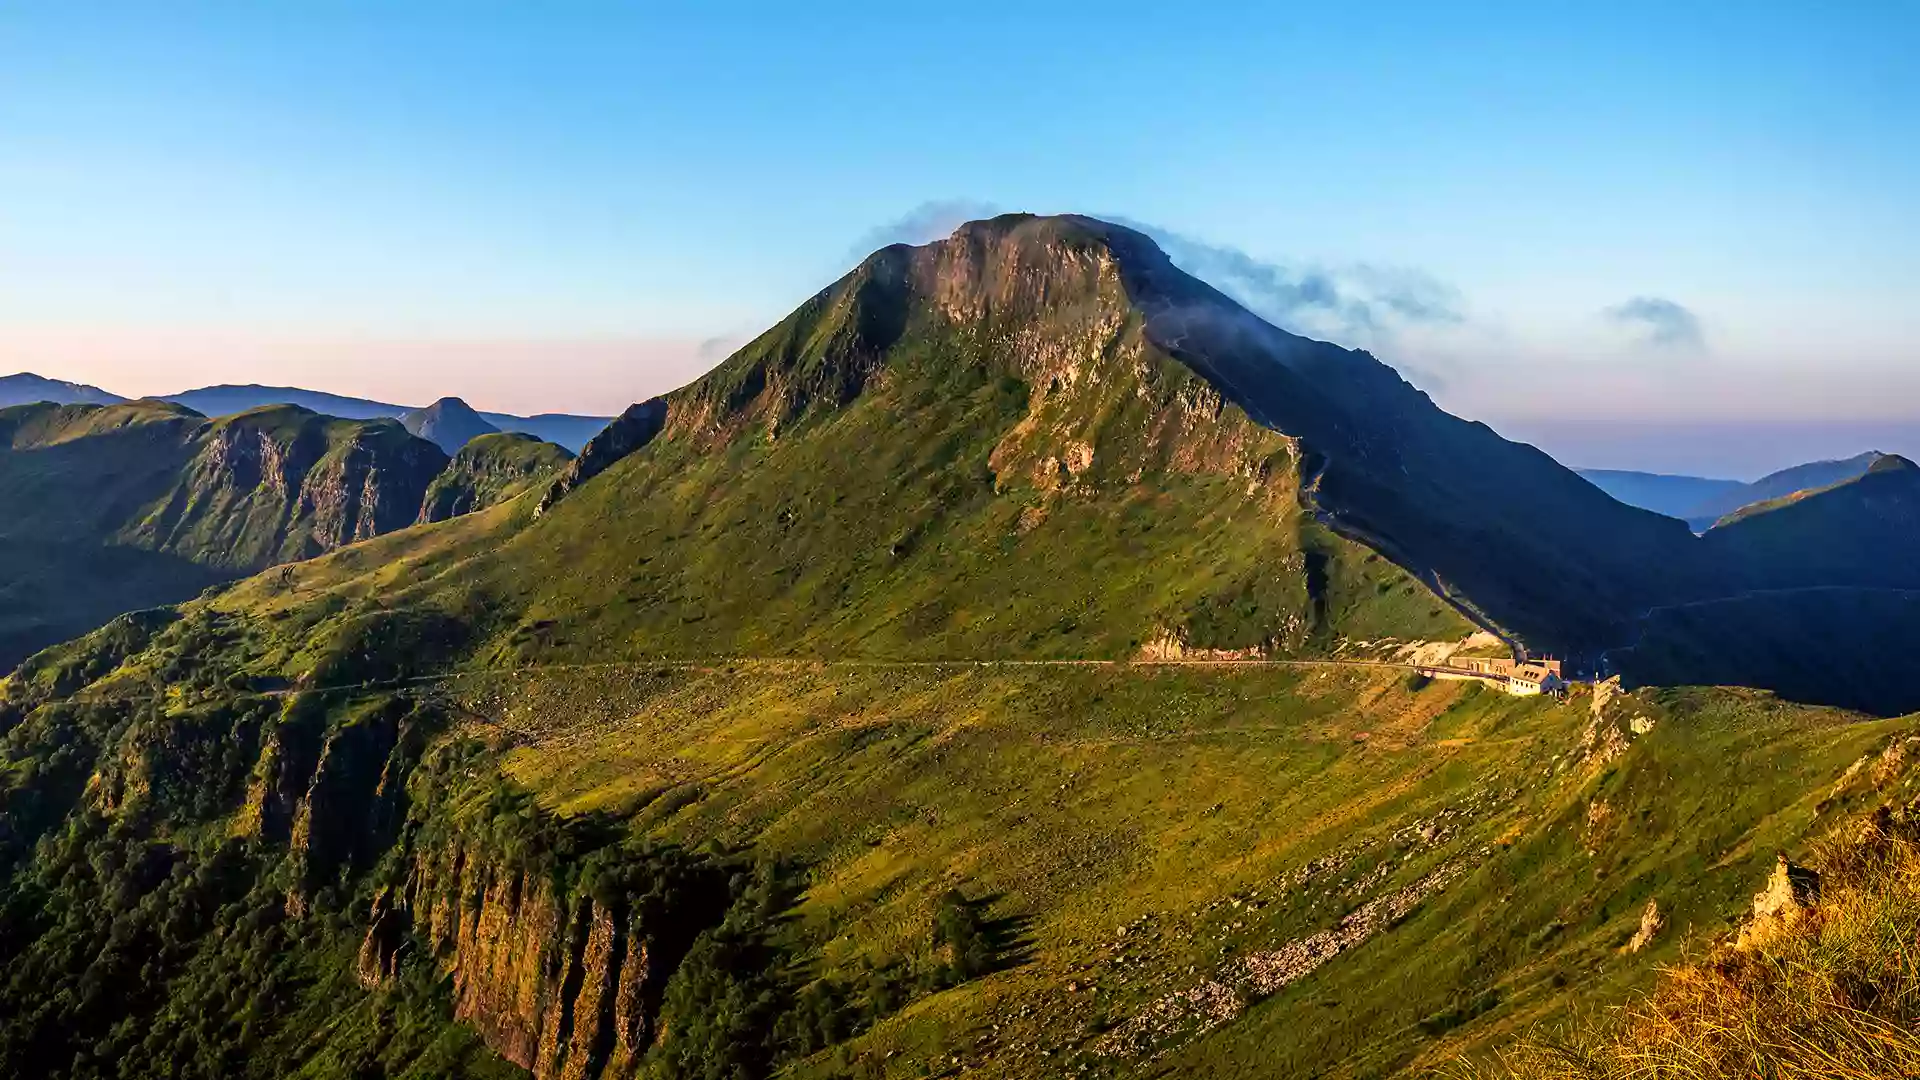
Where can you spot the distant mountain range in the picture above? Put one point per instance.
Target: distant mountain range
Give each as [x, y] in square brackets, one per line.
[567, 429]
[1700, 501]
[27, 388]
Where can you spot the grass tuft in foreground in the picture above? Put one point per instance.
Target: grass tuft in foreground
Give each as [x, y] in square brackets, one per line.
[1832, 993]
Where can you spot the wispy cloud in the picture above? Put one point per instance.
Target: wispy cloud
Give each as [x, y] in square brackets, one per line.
[1357, 303]
[715, 349]
[930, 221]
[1659, 321]
[1353, 300]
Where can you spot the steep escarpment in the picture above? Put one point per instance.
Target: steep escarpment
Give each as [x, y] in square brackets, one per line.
[558, 958]
[356, 869]
[157, 860]
[631, 430]
[233, 844]
[241, 491]
[283, 483]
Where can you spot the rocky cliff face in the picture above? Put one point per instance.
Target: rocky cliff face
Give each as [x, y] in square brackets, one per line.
[567, 988]
[1046, 303]
[560, 966]
[110, 508]
[370, 484]
[283, 483]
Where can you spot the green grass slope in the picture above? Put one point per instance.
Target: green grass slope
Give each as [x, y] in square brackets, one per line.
[891, 472]
[490, 469]
[1157, 833]
[116, 507]
[1858, 532]
[1785, 483]
[1272, 870]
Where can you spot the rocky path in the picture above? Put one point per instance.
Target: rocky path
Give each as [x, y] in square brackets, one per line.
[720, 664]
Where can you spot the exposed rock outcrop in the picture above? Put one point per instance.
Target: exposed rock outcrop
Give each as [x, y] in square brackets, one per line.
[1790, 892]
[283, 483]
[566, 987]
[1651, 923]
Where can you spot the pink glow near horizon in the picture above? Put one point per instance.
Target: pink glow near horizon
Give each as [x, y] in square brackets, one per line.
[590, 376]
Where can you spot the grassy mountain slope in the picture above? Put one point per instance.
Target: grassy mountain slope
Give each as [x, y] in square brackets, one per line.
[1130, 823]
[1787, 482]
[491, 469]
[1143, 854]
[1858, 532]
[1828, 609]
[1822, 987]
[1498, 523]
[282, 483]
[942, 426]
[880, 475]
[1701, 502]
[116, 507]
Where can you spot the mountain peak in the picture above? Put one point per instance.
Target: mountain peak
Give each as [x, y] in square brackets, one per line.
[448, 423]
[1054, 228]
[26, 388]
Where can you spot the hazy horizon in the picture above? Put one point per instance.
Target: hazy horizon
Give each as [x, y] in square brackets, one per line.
[1677, 240]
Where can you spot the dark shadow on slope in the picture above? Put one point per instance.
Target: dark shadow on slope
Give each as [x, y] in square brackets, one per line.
[51, 593]
[1849, 647]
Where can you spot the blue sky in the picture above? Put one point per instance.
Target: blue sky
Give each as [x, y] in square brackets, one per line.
[1659, 217]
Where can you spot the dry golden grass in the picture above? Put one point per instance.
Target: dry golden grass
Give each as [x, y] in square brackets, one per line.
[1835, 995]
